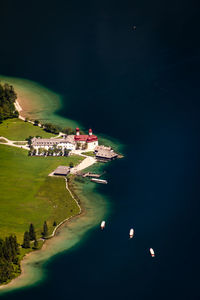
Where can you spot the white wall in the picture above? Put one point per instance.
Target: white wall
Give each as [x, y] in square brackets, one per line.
[92, 145]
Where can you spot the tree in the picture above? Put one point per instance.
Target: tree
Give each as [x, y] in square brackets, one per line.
[68, 130]
[85, 146]
[36, 122]
[45, 230]
[35, 244]
[39, 151]
[9, 260]
[51, 128]
[32, 234]
[66, 152]
[7, 100]
[26, 243]
[78, 145]
[71, 164]
[29, 140]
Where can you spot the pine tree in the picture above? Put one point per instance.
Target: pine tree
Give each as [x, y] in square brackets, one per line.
[35, 244]
[16, 244]
[45, 229]
[26, 243]
[32, 232]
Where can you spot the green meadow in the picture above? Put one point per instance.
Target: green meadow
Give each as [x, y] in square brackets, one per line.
[27, 193]
[18, 130]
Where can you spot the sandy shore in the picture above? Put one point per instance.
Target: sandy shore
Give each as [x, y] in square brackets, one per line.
[46, 251]
[69, 234]
[37, 102]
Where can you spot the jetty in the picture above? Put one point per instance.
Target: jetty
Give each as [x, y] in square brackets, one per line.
[88, 174]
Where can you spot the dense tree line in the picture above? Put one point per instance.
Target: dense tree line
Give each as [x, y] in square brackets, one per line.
[10, 251]
[54, 151]
[7, 99]
[9, 261]
[48, 127]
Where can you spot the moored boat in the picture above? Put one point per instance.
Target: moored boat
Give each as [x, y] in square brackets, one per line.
[131, 233]
[103, 224]
[99, 180]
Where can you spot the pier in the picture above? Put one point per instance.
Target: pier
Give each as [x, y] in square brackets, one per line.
[88, 174]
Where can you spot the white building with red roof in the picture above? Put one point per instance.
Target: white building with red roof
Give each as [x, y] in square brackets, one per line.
[88, 141]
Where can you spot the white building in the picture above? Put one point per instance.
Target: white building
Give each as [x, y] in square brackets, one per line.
[70, 142]
[64, 143]
[88, 142]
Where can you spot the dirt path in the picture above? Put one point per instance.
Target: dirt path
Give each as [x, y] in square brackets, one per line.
[12, 143]
[87, 162]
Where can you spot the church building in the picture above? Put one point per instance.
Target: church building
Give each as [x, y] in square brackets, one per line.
[88, 142]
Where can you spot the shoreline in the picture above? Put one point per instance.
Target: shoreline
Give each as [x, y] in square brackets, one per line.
[47, 242]
[69, 232]
[37, 102]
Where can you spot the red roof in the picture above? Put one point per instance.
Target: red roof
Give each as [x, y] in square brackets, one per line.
[85, 138]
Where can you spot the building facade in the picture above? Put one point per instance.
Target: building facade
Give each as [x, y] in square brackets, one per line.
[65, 143]
[89, 142]
[69, 142]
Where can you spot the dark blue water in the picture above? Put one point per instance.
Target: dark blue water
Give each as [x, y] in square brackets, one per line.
[141, 87]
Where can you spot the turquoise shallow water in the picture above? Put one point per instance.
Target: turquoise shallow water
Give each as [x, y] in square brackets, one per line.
[95, 207]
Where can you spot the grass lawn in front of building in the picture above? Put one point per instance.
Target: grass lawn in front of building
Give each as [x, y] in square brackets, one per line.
[29, 195]
[18, 130]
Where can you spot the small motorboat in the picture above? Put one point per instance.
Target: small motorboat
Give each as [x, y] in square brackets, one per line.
[131, 233]
[103, 224]
[152, 252]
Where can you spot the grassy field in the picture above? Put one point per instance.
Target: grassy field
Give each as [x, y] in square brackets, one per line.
[20, 143]
[18, 130]
[90, 153]
[28, 195]
[2, 140]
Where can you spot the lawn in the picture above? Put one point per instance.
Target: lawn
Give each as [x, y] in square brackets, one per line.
[90, 153]
[18, 130]
[28, 195]
[2, 140]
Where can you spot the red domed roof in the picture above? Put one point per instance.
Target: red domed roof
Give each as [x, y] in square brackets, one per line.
[92, 138]
[77, 129]
[90, 130]
[85, 138]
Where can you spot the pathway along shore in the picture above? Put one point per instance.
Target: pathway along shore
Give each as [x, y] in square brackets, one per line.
[29, 255]
[87, 162]
[61, 223]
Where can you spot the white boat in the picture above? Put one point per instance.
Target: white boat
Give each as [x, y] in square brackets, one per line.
[152, 252]
[103, 224]
[99, 180]
[131, 233]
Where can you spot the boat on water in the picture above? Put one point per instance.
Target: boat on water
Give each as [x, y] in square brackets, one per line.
[152, 252]
[131, 233]
[99, 180]
[103, 224]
